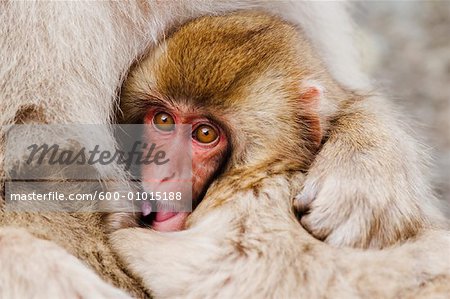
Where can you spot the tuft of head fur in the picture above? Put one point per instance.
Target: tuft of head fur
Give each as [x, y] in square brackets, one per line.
[244, 70]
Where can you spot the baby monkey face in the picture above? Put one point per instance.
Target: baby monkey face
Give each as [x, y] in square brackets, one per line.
[195, 147]
[233, 95]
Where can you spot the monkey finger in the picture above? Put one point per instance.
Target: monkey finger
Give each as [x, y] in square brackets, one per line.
[303, 200]
[315, 227]
[146, 208]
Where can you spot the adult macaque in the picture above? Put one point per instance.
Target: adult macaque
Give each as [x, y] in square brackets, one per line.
[63, 62]
[258, 83]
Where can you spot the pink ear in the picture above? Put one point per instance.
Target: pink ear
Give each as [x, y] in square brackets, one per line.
[311, 93]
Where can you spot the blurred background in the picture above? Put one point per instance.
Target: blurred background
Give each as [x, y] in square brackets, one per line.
[406, 48]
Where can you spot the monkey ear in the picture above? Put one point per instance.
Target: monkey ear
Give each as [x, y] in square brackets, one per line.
[311, 92]
[311, 101]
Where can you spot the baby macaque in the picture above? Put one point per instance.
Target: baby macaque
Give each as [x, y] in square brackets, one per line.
[264, 104]
[227, 81]
[228, 101]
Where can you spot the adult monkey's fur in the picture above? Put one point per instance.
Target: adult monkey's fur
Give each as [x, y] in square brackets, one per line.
[62, 62]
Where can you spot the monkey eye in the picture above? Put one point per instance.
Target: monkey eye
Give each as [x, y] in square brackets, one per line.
[205, 134]
[164, 121]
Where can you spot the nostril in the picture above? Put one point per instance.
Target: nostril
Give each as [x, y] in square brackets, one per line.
[167, 178]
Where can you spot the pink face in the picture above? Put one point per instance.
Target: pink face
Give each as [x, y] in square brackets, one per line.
[208, 144]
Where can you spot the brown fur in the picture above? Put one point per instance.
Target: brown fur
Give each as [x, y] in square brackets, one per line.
[186, 71]
[62, 62]
[249, 71]
[237, 63]
[83, 236]
[67, 60]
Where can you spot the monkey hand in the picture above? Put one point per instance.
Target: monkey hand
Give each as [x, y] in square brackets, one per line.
[36, 268]
[367, 191]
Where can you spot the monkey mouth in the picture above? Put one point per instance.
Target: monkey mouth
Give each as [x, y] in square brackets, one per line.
[169, 221]
[163, 219]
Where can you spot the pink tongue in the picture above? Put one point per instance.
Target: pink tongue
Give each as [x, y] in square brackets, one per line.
[163, 216]
[169, 221]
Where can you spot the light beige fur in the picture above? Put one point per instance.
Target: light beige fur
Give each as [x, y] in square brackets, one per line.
[47, 276]
[243, 240]
[253, 247]
[63, 62]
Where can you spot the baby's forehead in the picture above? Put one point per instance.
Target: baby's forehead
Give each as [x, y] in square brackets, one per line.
[234, 40]
[215, 54]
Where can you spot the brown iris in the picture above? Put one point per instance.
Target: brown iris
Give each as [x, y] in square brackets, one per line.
[205, 134]
[164, 121]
